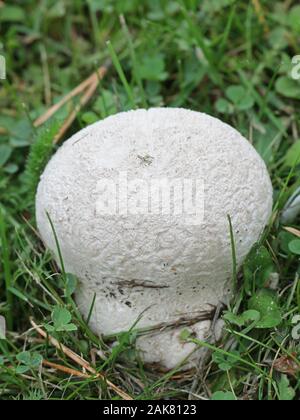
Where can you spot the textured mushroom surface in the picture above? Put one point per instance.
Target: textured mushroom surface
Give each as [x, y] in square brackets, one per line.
[170, 268]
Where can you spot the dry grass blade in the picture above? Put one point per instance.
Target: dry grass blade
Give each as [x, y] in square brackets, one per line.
[64, 369]
[79, 360]
[293, 231]
[46, 75]
[83, 101]
[260, 14]
[97, 76]
[3, 131]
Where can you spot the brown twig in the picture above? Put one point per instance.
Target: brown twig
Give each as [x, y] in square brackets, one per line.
[64, 369]
[83, 101]
[79, 360]
[97, 76]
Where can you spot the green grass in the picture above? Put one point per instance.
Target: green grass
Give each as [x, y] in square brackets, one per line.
[215, 56]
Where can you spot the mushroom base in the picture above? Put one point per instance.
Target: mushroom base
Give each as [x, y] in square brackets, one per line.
[171, 349]
[166, 344]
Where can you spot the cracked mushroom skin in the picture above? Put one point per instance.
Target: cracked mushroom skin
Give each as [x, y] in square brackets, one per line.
[166, 269]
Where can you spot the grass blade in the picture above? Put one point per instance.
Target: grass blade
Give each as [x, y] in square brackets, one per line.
[7, 269]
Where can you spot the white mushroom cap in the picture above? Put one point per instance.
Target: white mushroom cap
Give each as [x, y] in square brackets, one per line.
[170, 268]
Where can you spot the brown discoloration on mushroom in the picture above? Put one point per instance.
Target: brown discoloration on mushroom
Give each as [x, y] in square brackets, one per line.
[141, 283]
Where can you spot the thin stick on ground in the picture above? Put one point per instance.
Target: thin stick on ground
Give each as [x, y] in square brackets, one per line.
[96, 76]
[79, 360]
[65, 369]
[71, 118]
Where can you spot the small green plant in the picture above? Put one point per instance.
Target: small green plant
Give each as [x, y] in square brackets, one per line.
[266, 304]
[224, 362]
[237, 99]
[61, 321]
[223, 396]
[257, 268]
[286, 392]
[246, 318]
[39, 155]
[28, 361]
[294, 246]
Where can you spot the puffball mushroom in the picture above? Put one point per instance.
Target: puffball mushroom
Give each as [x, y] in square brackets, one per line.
[160, 266]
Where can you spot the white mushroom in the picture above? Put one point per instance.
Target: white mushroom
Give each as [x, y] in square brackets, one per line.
[168, 267]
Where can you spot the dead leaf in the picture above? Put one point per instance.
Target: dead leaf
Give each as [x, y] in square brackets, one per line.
[287, 365]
